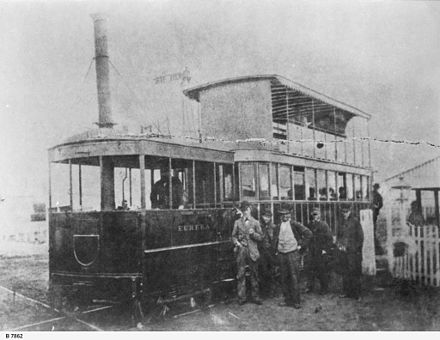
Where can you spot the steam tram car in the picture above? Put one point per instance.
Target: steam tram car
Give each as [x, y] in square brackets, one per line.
[263, 138]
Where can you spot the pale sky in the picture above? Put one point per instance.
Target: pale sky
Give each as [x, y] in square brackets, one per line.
[382, 57]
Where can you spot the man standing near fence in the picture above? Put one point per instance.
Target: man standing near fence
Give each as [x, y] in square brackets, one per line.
[350, 242]
[377, 205]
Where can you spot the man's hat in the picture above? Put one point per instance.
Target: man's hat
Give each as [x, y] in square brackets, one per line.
[283, 211]
[315, 210]
[376, 186]
[267, 213]
[244, 205]
[345, 206]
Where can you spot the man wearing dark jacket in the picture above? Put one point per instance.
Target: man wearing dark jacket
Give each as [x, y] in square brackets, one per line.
[267, 267]
[291, 239]
[377, 204]
[317, 258]
[350, 242]
[245, 235]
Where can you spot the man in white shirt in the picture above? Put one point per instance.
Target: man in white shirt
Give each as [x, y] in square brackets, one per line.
[291, 240]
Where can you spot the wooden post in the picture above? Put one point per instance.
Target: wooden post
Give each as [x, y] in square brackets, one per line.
[221, 179]
[194, 182]
[354, 142]
[287, 120]
[389, 238]
[292, 182]
[50, 185]
[142, 178]
[419, 253]
[431, 254]
[436, 207]
[215, 185]
[270, 189]
[170, 183]
[130, 184]
[336, 137]
[314, 132]
[369, 144]
[107, 183]
[80, 185]
[437, 259]
[70, 185]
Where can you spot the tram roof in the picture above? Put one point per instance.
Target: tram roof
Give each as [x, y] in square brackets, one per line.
[279, 83]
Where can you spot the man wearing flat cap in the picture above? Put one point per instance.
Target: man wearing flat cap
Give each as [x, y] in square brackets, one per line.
[245, 235]
[350, 242]
[291, 240]
[317, 266]
[377, 204]
[267, 267]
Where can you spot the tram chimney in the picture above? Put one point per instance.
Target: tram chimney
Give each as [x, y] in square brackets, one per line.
[102, 71]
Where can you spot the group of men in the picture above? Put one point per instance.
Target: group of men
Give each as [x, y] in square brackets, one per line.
[279, 248]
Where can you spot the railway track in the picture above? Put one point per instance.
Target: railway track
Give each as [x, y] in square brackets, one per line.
[98, 318]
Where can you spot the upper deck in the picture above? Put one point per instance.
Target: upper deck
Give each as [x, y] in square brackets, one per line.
[293, 118]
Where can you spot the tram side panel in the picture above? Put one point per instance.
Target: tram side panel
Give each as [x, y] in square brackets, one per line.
[94, 242]
[186, 251]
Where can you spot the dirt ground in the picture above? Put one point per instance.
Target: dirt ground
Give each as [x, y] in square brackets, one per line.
[381, 309]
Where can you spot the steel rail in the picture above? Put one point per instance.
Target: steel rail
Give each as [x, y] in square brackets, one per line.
[55, 310]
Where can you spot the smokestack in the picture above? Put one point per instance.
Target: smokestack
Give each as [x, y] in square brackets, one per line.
[102, 71]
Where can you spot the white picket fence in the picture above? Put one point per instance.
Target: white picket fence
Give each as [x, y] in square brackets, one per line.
[421, 260]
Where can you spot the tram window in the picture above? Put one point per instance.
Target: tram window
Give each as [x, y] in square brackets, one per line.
[322, 185]
[274, 181]
[228, 182]
[330, 146]
[299, 181]
[248, 181]
[310, 184]
[365, 187]
[342, 186]
[295, 134]
[350, 187]
[204, 184]
[285, 182]
[91, 190]
[224, 182]
[60, 186]
[183, 174]
[127, 183]
[331, 182]
[340, 149]
[357, 188]
[264, 181]
[350, 142]
[319, 144]
[308, 142]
